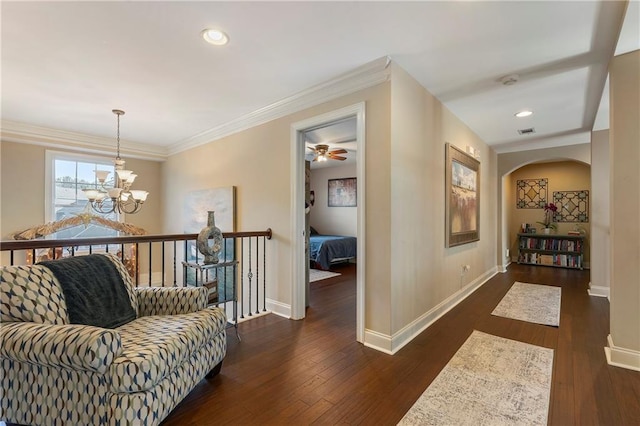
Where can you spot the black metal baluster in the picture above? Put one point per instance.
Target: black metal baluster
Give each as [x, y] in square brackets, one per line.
[150, 269]
[241, 296]
[257, 276]
[163, 263]
[250, 276]
[264, 274]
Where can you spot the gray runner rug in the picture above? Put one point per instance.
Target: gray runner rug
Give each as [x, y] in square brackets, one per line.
[535, 303]
[489, 381]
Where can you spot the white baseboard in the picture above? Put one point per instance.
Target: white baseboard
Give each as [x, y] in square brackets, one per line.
[503, 268]
[378, 341]
[278, 308]
[622, 357]
[392, 344]
[598, 291]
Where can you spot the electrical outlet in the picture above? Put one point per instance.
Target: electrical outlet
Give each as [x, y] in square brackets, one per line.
[465, 268]
[506, 253]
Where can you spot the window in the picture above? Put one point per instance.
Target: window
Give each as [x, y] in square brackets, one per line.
[69, 174]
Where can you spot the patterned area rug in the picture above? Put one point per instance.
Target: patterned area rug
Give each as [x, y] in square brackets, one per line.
[317, 275]
[535, 303]
[489, 381]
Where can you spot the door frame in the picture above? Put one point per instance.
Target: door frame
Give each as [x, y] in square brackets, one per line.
[298, 262]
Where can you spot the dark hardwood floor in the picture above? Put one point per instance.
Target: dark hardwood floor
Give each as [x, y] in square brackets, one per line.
[313, 372]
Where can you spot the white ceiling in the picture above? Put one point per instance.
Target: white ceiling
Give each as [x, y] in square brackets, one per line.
[66, 65]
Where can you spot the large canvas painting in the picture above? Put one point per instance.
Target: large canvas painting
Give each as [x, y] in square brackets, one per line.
[196, 207]
[462, 197]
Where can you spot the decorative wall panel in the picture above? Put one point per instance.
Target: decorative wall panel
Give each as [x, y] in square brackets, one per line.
[531, 193]
[573, 206]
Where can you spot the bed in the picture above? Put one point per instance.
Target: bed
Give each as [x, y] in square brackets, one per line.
[327, 249]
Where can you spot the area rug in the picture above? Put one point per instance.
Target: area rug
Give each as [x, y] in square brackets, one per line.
[317, 275]
[535, 303]
[489, 381]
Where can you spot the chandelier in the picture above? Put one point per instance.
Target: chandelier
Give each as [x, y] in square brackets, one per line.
[121, 198]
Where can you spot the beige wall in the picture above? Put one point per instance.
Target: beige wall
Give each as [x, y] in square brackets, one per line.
[511, 161]
[332, 220]
[600, 221]
[425, 273]
[257, 162]
[624, 110]
[562, 176]
[22, 175]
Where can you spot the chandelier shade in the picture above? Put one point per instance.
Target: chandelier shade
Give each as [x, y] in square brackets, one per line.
[120, 198]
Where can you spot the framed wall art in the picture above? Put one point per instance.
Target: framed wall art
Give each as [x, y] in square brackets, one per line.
[462, 199]
[342, 192]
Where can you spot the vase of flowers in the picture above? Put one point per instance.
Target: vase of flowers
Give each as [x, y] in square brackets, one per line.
[549, 210]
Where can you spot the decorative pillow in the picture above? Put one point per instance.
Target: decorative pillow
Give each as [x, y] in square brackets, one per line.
[30, 293]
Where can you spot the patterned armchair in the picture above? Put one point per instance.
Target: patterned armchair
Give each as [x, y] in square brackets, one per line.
[54, 372]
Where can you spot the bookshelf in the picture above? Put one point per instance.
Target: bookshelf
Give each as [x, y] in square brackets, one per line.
[561, 251]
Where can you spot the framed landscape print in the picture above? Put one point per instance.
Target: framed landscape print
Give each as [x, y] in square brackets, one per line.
[462, 199]
[342, 192]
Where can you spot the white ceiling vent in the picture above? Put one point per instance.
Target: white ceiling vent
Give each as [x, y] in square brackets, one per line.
[528, 131]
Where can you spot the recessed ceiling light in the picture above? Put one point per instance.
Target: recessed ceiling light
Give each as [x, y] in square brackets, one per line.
[214, 36]
[524, 113]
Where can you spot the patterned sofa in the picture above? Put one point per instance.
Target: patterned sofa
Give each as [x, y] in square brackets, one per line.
[54, 372]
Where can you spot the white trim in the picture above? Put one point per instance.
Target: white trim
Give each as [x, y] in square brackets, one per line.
[503, 268]
[378, 341]
[368, 75]
[622, 357]
[365, 76]
[392, 344]
[299, 263]
[278, 308]
[49, 182]
[598, 291]
[13, 131]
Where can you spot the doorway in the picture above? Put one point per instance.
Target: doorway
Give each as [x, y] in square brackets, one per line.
[300, 261]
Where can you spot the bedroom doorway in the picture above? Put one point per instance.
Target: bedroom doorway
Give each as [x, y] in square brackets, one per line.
[306, 144]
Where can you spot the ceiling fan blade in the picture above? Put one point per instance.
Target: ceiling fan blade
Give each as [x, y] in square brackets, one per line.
[338, 151]
[315, 159]
[337, 157]
[311, 148]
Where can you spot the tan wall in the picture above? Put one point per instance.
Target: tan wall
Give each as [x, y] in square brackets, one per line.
[424, 272]
[562, 176]
[332, 220]
[600, 220]
[22, 175]
[257, 162]
[508, 162]
[624, 110]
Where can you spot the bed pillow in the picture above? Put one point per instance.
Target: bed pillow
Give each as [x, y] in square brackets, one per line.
[312, 231]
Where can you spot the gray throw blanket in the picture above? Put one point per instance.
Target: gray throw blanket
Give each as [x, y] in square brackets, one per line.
[94, 290]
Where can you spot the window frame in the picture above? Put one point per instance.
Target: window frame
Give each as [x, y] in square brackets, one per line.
[49, 193]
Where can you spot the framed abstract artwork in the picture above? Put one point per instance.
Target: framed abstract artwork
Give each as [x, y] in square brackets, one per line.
[531, 193]
[462, 199]
[342, 192]
[573, 206]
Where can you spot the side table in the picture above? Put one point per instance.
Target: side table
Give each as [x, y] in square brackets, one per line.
[216, 277]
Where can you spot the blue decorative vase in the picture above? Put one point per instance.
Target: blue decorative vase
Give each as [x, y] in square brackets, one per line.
[210, 231]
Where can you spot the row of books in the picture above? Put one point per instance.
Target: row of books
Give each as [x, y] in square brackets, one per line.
[551, 244]
[566, 260]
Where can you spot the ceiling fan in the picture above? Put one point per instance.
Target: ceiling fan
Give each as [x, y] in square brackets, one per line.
[322, 153]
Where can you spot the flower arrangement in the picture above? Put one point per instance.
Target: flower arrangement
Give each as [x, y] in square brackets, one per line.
[549, 210]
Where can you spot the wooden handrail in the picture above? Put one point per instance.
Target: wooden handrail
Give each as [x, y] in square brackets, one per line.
[37, 244]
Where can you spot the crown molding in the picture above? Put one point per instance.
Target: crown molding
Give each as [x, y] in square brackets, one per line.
[13, 131]
[368, 75]
[365, 76]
